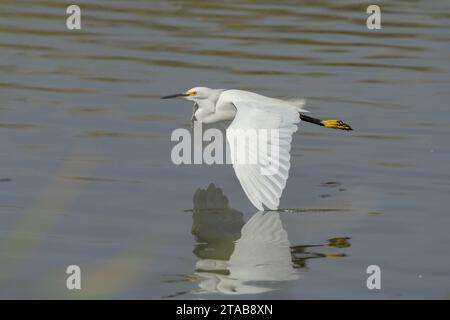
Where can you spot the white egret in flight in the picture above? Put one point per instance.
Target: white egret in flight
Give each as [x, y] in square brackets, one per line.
[251, 111]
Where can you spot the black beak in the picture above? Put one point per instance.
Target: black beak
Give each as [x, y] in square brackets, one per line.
[175, 95]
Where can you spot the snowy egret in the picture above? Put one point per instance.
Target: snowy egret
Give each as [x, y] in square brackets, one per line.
[249, 110]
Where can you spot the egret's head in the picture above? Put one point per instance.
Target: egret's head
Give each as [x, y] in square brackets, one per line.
[194, 94]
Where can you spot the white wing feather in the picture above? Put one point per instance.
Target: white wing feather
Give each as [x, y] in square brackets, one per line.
[264, 190]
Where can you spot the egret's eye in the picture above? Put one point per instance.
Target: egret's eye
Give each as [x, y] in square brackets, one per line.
[191, 93]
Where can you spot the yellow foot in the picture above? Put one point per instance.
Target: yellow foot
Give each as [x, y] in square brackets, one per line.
[335, 124]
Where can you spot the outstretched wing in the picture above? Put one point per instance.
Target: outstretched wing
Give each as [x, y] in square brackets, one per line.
[263, 187]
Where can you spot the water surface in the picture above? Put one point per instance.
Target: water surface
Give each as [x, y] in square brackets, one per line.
[86, 176]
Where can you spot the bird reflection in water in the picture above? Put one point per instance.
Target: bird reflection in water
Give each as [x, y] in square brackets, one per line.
[235, 257]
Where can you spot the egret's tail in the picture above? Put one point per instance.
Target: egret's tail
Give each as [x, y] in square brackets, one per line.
[298, 103]
[329, 123]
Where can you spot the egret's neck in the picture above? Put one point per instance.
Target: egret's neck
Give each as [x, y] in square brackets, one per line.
[209, 105]
[207, 111]
[214, 110]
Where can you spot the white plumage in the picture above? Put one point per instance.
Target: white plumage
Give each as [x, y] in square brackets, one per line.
[264, 189]
[253, 112]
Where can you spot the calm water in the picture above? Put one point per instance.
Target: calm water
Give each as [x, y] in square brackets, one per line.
[86, 176]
